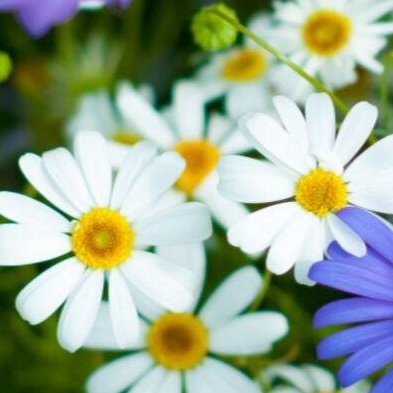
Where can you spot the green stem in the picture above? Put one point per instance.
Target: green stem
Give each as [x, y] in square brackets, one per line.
[284, 59]
[385, 107]
[262, 293]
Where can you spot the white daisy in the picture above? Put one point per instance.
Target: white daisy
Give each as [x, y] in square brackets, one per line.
[328, 39]
[313, 174]
[183, 130]
[97, 111]
[307, 379]
[242, 73]
[177, 347]
[105, 218]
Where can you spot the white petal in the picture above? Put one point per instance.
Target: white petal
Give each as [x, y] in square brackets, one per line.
[247, 180]
[293, 120]
[147, 120]
[189, 110]
[65, 173]
[378, 200]
[123, 312]
[293, 375]
[354, 131]
[223, 210]
[119, 374]
[102, 336]
[324, 380]
[170, 199]
[184, 223]
[266, 135]
[94, 112]
[242, 336]
[150, 382]
[197, 381]
[91, 152]
[27, 211]
[80, 311]
[139, 156]
[236, 293]
[256, 232]
[218, 128]
[163, 282]
[226, 379]
[373, 192]
[376, 158]
[22, 245]
[346, 237]
[172, 383]
[46, 293]
[188, 256]
[235, 143]
[313, 251]
[288, 244]
[321, 123]
[157, 178]
[33, 169]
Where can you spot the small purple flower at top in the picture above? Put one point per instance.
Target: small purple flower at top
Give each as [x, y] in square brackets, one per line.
[368, 342]
[39, 16]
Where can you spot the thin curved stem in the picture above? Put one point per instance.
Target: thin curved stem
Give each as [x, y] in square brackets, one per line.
[283, 58]
[262, 293]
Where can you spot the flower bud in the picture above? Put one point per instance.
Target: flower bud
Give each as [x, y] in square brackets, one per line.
[5, 66]
[212, 32]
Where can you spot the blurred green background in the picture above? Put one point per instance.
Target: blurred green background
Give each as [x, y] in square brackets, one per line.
[150, 42]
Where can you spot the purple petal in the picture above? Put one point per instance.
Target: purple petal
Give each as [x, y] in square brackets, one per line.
[39, 16]
[372, 261]
[10, 5]
[353, 339]
[366, 361]
[352, 279]
[371, 229]
[385, 384]
[352, 311]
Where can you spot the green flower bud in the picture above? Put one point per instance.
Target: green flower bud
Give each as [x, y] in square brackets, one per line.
[5, 66]
[212, 32]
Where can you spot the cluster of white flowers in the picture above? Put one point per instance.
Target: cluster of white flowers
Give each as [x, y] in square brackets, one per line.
[127, 213]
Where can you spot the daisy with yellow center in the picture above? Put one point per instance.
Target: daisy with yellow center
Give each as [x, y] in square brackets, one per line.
[306, 378]
[176, 351]
[330, 40]
[108, 219]
[242, 74]
[183, 129]
[309, 176]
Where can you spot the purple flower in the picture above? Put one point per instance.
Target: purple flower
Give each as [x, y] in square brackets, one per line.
[369, 342]
[39, 16]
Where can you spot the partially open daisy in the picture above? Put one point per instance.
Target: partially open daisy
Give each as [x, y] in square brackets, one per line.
[313, 174]
[106, 218]
[306, 378]
[97, 111]
[177, 347]
[328, 39]
[184, 131]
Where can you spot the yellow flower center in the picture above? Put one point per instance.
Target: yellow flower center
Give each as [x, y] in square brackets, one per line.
[201, 158]
[327, 32]
[125, 138]
[245, 65]
[321, 192]
[102, 239]
[178, 341]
